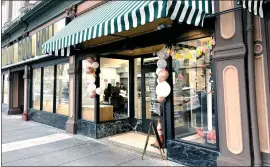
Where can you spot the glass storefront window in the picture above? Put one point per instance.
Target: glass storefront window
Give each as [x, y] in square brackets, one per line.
[5, 90]
[48, 86]
[62, 89]
[36, 81]
[15, 53]
[88, 106]
[114, 86]
[59, 25]
[34, 42]
[194, 113]
[137, 88]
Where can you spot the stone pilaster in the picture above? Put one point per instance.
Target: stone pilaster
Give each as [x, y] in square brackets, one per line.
[26, 98]
[71, 125]
[229, 62]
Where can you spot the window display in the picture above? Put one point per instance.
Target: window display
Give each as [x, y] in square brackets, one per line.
[48, 86]
[36, 81]
[194, 112]
[62, 89]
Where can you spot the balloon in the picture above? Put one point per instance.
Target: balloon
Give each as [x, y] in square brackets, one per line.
[161, 99]
[98, 91]
[162, 54]
[161, 63]
[158, 70]
[90, 70]
[90, 60]
[91, 79]
[163, 89]
[95, 65]
[91, 87]
[163, 75]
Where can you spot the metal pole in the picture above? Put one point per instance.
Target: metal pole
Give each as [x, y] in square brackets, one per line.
[252, 93]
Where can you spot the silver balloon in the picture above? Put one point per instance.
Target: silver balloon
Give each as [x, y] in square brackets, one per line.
[162, 63]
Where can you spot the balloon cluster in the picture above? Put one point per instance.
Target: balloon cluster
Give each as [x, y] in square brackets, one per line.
[91, 77]
[163, 89]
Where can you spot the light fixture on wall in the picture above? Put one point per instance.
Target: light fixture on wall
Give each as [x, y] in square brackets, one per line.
[162, 26]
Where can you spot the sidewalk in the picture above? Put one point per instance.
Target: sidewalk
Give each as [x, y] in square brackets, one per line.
[34, 144]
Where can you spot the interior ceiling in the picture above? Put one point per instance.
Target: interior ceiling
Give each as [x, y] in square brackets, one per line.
[115, 63]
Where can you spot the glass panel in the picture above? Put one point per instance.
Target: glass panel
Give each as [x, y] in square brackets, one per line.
[48, 86]
[87, 102]
[37, 44]
[23, 49]
[150, 92]
[62, 89]
[19, 52]
[114, 97]
[194, 114]
[34, 42]
[50, 31]
[5, 100]
[137, 88]
[15, 48]
[59, 25]
[36, 88]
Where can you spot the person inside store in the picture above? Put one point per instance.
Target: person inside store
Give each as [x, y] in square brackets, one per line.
[117, 88]
[108, 92]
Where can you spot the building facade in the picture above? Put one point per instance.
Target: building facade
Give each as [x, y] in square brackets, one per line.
[90, 68]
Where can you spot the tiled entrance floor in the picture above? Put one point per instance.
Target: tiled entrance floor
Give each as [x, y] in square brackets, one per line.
[135, 140]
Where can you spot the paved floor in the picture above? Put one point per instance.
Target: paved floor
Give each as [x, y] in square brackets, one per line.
[34, 144]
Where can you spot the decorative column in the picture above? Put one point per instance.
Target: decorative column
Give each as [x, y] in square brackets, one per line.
[71, 125]
[262, 86]
[229, 58]
[26, 98]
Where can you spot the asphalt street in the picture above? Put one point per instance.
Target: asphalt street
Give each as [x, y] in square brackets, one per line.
[33, 144]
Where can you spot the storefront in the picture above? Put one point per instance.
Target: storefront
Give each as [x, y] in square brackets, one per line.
[125, 43]
[106, 83]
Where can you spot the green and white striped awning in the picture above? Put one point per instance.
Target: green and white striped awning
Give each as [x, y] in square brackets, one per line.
[118, 16]
[253, 6]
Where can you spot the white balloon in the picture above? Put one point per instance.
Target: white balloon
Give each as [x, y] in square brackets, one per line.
[163, 89]
[91, 79]
[95, 65]
[161, 63]
[158, 70]
[91, 87]
[98, 91]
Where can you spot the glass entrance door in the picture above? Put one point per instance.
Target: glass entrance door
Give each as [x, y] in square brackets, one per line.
[149, 83]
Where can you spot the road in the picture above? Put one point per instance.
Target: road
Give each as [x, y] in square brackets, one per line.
[33, 144]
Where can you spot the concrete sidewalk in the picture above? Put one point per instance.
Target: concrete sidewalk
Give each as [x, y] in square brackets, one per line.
[34, 144]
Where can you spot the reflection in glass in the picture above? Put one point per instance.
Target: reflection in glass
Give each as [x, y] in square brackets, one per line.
[62, 89]
[87, 102]
[114, 87]
[5, 91]
[194, 114]
[36, 88]
[48, 84]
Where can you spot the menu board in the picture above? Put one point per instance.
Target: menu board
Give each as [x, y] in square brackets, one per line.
[154, 106]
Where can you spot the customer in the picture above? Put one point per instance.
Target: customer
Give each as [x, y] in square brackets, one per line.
[108, 92]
